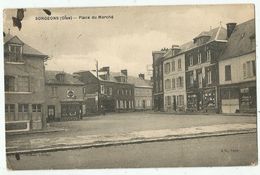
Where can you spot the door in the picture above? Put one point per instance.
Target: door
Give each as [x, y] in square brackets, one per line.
[143, 104]
[174, 102]
[51, 112]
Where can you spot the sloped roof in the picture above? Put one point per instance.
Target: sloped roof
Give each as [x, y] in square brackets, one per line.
[239, 43]
[50, 78]
[26, 48]
[138, 82]
[218, 33]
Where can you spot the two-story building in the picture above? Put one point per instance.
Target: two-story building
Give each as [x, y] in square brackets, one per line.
[142, 92]
[158, 97]
[174, 79]
[24, 85]
[114, 91]
[237, 69]
[201, 61]
[63, 96]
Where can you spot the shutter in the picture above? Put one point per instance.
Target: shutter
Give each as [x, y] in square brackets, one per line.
[244, 70]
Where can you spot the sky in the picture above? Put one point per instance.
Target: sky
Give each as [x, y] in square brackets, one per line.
[124, 42]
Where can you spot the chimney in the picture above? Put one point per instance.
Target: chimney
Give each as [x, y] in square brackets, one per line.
[175, 49]
[141, 76]
[230, 28]
[124, 71]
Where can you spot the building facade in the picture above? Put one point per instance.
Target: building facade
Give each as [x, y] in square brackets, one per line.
[24, 85]
[63, 96]
[142, 92]
[201, 61]
[237, 70]
[174, 80]
[158, 97]
[114, 92]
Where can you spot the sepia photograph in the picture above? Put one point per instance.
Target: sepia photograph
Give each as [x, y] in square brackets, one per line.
[160, 86]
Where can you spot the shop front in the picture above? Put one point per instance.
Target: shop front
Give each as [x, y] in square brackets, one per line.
[71, 110]
[240, 98]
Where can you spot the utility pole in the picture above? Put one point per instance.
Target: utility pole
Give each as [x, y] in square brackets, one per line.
[98, 90]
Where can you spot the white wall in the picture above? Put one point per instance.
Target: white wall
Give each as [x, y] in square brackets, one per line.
[236, 69]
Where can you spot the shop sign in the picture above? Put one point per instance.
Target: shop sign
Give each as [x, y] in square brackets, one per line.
[70, 94]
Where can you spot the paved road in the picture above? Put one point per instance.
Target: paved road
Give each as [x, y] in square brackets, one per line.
[137, 121]
[213, 151]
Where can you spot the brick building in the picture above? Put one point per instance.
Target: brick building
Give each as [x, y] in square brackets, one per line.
[115, 93]
[201, 61]
[24, 85]
[237, 69]
[64, 96]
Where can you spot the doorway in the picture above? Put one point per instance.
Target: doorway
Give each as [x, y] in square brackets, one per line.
[51, 113]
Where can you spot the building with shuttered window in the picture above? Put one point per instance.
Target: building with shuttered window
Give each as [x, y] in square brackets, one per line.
[237, 69]
[24, 85]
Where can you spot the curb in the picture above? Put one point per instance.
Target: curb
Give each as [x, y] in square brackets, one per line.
[131, 141]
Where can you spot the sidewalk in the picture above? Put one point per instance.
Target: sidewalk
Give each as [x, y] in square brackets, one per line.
[21, 145]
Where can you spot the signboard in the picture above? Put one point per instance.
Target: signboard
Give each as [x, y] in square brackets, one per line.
[70, 94]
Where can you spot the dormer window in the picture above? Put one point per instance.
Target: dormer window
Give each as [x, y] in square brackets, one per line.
[14, 53]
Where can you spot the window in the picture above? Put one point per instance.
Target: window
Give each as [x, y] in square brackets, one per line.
[173, 83]
[23, 108]
[168, 100]
[179, 64]
[179, 82]
[160, 85]
[191, 60]
[9, 83]
[102, 89]
[228, 72]
[110, 91]
[118, 92]
[209, 77]
[15, 53]
[167, 68]
[191, 79]
[200, 80]
[208, 55]
[249, 69]
[23, 84]
[168, 84]
[180, 100]
[84, 90]
[36, 107]
[199, 57]
[54, 91]
[173, 66]
[9, 108]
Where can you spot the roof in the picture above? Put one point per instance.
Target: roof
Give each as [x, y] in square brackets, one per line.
[26, 48]
[138, 82]
[239, 43]
[218, 33]
[50, 78]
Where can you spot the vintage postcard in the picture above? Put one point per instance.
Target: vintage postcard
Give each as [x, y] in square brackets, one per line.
[130, 87]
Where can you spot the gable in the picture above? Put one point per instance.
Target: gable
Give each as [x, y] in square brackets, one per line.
[15, 40]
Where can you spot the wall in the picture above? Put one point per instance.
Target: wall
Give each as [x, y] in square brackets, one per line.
[62, 95]
[236, 69]
[34, 68]
[175, 74]
[143, 94]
